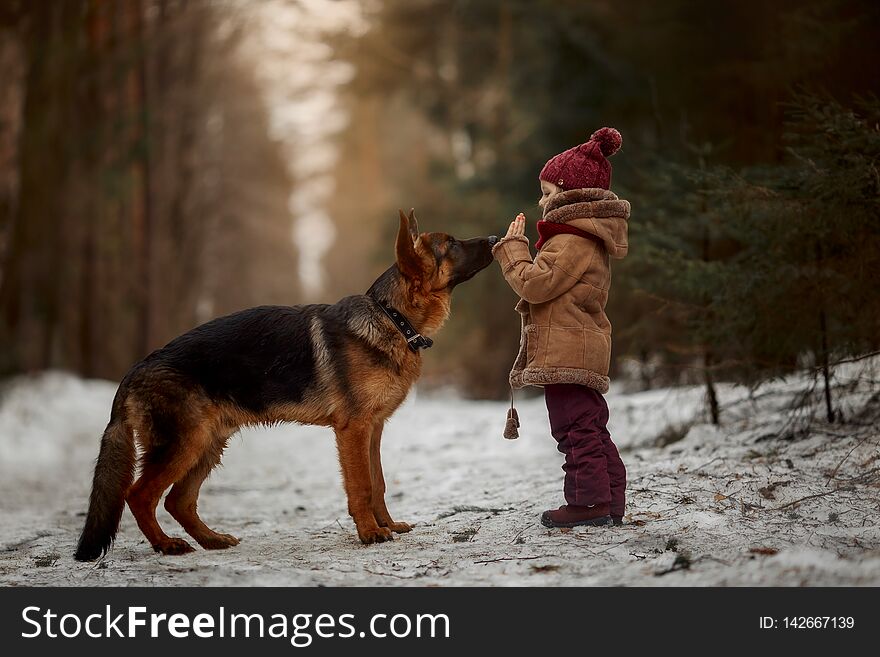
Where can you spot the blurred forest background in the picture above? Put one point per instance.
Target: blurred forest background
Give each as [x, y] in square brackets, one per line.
[163, 162]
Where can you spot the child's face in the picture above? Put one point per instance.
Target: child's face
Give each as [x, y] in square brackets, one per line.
[548, 189]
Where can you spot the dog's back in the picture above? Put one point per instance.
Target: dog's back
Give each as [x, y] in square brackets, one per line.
[254, 358]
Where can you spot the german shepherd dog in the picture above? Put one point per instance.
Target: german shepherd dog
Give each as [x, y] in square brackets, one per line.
[346, 365]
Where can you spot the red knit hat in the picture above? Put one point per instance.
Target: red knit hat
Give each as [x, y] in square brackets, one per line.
[584, 165]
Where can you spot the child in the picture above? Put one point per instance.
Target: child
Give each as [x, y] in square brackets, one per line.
[566, 337]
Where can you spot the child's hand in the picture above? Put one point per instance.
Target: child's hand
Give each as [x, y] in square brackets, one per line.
[517, 226]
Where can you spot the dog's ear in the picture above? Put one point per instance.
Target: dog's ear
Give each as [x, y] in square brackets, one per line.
[408, 261]
[413, 225]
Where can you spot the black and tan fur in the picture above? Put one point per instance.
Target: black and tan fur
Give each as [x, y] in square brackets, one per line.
[343, 365]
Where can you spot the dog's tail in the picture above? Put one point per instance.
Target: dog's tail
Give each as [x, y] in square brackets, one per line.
[114, 472]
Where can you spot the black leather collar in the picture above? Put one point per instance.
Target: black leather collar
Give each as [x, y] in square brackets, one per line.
[414, 339]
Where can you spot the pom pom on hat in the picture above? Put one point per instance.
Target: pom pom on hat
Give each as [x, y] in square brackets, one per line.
[609, 140]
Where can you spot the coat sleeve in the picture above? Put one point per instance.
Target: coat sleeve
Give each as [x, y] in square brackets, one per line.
[551, 274]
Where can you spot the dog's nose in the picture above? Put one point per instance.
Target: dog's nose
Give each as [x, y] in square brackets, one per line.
[493, 240]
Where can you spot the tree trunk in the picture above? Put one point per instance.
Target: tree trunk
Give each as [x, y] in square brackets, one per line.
[29, 296]
[139, 172]
[823, 340]
[826, 373]
[645, 374]
[711, 395]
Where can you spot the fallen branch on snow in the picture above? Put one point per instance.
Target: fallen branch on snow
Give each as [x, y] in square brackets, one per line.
[810, 497]
[540, 556]
[470, 509]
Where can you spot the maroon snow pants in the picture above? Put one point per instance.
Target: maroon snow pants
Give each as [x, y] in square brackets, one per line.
[594, 473]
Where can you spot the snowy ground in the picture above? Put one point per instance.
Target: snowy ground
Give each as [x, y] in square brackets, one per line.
[761, 501]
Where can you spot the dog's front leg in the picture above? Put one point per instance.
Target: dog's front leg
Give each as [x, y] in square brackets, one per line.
[353, 442]
[380, 511]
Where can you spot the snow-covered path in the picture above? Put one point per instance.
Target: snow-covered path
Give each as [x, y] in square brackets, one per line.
[716, 508]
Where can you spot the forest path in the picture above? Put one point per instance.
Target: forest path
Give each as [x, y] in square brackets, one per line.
[729, 506]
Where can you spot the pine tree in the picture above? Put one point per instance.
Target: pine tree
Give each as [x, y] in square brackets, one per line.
[798, 248]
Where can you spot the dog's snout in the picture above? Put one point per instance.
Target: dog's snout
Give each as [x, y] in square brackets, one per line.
[493, 240]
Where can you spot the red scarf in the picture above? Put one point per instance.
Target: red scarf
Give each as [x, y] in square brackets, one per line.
[547, 229]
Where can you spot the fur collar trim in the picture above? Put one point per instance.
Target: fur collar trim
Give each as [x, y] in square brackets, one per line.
[587, 203]
[594, 211]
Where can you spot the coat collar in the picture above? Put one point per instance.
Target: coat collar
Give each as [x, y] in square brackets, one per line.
[595, 211]
[582, 195]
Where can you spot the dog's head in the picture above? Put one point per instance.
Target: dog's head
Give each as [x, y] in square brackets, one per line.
[439, 261]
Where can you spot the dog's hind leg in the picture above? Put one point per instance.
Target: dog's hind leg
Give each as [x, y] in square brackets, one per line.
[377, 479]
[163, 466]
[353, 441]
[183, 498]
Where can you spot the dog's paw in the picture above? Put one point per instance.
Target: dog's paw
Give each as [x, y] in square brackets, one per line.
[400, 527]
[375, 535]
[173, 546]
[218, 541]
